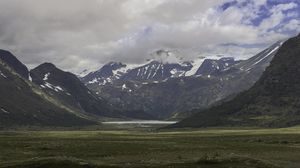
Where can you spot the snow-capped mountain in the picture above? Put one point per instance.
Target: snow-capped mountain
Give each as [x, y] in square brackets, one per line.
[69, 89]
[276, 93]
[151, 71]
[211, 66]
[157, 71]
[160, 88]
[164, 65]
[197, 84]
[261, 60]
[108, 73]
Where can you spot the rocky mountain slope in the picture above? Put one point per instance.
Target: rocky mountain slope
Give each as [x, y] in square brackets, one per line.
[168, 96]
[22, 103]
[10, 60]
[272, 102]
[67, 88]
[211, 67]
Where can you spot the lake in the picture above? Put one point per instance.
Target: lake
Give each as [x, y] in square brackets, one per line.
[142, 122]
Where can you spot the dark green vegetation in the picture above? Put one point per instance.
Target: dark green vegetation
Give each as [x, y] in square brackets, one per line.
[274, 101]
[219, 148]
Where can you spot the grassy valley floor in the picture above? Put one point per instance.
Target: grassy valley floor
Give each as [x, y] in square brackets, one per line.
[216, 148]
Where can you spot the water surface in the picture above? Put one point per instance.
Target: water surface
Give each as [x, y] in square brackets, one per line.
[141, 122]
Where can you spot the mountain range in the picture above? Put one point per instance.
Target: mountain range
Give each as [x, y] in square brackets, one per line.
[272, 102]
[49, 96]
[24, 103]
[169, 90]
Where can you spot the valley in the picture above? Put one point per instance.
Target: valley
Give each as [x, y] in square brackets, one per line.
[152, 91]
[150, 84]
[214, 147]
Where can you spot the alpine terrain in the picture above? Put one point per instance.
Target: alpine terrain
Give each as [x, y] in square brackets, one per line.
[22, 103]
[272, 102]
[170, 90]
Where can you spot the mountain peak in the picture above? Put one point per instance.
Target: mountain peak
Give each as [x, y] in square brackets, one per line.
[46, 66]
[9, 59]
[5, 51]
[114, 65]
[70, 90]
[212, 66]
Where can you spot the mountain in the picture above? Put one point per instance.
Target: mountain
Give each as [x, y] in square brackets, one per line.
[9, 59]
[107, 73]
[69, 89]
[83, 73]
[157, 71]
[175, 96]
[22, 103]
[211, 67]
[163, 66]
[261, 61]
[272, 102]
[152, 71]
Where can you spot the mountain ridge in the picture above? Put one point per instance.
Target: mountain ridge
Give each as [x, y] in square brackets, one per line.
[272, 102]
[23, 104]
[8, 58]
[173, 95]
[69, 88]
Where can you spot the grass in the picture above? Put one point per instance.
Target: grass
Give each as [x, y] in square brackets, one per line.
[217, 148]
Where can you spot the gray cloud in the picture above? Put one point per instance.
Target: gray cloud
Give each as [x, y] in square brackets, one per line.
[78, 34]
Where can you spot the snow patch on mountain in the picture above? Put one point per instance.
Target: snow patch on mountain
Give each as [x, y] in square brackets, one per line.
[4, 111]
[271, 52]
[29, 77]
[53, 87]
[93, 81]
[124, 87]
[177, 73]
[121, 71]
[1, 74]
[260, 58]
[46, 76]
[196, 64]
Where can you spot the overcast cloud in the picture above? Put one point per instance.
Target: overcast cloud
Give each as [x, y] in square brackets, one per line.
[79, 34]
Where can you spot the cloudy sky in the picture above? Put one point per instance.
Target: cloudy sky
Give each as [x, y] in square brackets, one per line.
[79, 34]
